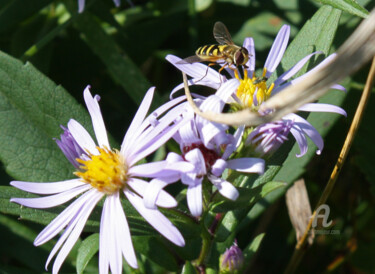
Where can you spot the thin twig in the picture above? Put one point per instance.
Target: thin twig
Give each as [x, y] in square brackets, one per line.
[300, 246]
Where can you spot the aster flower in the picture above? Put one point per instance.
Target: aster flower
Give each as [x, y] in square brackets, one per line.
[205, 148]
[250, 91]
[104, 173]
[232, 259]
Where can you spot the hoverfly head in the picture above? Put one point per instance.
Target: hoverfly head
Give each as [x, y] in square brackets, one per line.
[241, 57]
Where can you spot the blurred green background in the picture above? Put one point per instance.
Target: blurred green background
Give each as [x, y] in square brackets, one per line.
[120, 52]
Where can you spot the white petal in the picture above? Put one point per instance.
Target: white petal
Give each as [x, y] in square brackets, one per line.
[147, 170]
[46, 187]
[156, 220]
[72, 232]
[53, 200]
[152, 192]
[82, 137]
[195, 157]
[138, 119]
[225, 188]
[194, 199]
[96, 118]
[63, 218]
[249, 165]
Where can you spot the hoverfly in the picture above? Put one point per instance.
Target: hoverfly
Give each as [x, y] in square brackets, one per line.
[226, 51]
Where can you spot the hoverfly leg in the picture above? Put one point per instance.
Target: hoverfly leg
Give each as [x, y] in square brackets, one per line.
[210, 64]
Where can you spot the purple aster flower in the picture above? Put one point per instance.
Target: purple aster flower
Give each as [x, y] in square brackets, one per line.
[251, 91]
[232, 259]
[104, 173]
[206, 148]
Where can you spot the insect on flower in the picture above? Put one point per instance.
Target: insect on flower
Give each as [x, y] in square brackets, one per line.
[226, 51]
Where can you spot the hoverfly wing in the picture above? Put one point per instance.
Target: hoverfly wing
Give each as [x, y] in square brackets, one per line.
[190, 60]
[222, 34]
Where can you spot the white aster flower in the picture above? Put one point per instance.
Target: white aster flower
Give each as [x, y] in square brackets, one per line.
[106, 173]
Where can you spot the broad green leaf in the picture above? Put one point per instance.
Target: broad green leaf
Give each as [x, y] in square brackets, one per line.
[86, 251]
[120, 67]
[251, 249]
[247, 197]
[156, 251]
[32, 108]
[316, 34]
[12, 13]
[350, 6]
[201, 5]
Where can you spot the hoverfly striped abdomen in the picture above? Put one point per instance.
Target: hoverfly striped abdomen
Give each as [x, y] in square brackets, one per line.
[209, 52]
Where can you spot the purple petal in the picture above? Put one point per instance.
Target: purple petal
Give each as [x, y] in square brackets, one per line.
[197, 70]
[81, 6]
[218, 167]
[156, 220]
[300, 139]
[248, 165]
[194, 199]
[46, 187]
[249, 45]
[96, 118]
[117, 3]
[277, 50]
[292, 71]
[227, 90]
[53, 200]
[320, 107]
[195, 157]
[309, 130]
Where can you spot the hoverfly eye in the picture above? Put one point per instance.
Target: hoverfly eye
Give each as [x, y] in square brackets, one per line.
[239, 58]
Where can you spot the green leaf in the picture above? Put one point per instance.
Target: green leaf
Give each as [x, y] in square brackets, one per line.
[188, 268]
[120, 67]
[32, 108]
[86, 251]
[247, 197]
[155, 250]
[350, 6]
[251, 249]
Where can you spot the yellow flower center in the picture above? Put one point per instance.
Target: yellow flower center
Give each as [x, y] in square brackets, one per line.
[107, 172]
[250, 86]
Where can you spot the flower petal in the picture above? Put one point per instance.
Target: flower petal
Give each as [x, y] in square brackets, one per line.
[96, 118]
[81, 6]
[194, 199]
[148, 169]
[53, 200]
[225, 188]
[249, 165]
[320, 107]
[277, 50]
[73, 230]
[47, 188]
[152, 193]
[82, 137]
[162, 199]
[249, 45]
[292, 71]
[156, 219]
[138, 119]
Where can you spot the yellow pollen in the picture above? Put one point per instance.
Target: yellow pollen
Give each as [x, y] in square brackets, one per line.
[107, 172]
[249, 86]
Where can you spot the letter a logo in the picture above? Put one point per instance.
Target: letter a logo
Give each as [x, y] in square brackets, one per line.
[324, 216]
